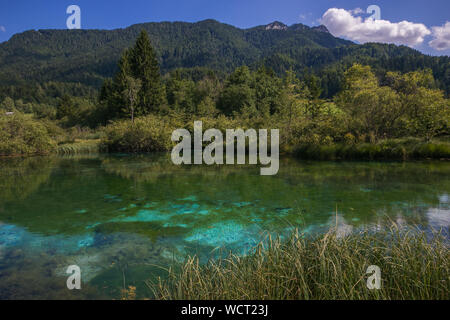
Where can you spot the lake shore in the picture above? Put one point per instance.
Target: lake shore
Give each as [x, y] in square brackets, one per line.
[330, 266]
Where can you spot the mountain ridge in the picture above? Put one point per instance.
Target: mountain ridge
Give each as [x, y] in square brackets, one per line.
[88, 56]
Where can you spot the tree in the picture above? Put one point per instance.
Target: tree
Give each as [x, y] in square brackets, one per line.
[372, 109]
[294, 95]
[133, 86]
[8, 105]
[139, 63]
[427, 111]
[238, 95]
[145, 67]
[65, 107]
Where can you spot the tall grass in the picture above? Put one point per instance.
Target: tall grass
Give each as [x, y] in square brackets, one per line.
[79, 147]
[324, 267]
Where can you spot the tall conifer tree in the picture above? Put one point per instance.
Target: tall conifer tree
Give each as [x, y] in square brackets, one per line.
[140, 63]
[144, 66]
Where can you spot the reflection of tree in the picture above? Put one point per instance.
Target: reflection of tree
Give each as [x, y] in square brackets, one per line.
[47, 195]
[20, 177]
[150, 168]
[364, 191]
[86, 192]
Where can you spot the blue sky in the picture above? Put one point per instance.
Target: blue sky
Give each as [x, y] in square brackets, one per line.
[20, 15]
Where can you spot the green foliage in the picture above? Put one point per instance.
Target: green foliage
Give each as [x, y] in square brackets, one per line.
[21, 135]
[184, 95]
[251, 93]
[8, 105]
[427, 111]
[147, 134]
[144, 67]
[394, 149]
[136, 88]
[39, 66]
[363, 121]
[133, 86]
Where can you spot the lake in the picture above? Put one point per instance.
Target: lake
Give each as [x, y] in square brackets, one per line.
[123, 218]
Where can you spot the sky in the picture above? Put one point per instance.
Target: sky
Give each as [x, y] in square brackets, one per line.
[417, 23]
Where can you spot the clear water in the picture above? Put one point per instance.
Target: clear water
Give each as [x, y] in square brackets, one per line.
[121, 217]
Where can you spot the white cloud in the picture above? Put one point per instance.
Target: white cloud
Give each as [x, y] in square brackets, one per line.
[2, 29]
[342, 23]
[441, 37]
[357, 11]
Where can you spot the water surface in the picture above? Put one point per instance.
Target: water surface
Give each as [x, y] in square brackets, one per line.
[119, 217]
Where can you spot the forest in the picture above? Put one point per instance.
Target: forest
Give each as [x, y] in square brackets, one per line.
[356, 109]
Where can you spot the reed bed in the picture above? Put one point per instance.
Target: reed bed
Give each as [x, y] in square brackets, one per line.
[79, 147]
[413, 266]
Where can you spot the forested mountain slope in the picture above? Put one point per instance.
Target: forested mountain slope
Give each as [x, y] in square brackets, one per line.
[39, 63]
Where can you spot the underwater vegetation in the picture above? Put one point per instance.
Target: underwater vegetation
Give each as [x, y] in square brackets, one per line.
[28, 276]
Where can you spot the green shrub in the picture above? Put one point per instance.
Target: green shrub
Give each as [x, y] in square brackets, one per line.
[147, 134]
[21, 135]
[391, 149]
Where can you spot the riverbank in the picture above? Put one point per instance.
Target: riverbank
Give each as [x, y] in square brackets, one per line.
[388, 149]
[325, 267]
[22, 135]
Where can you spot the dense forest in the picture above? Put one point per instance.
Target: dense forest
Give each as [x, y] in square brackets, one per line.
[40, 65]
[130, 88]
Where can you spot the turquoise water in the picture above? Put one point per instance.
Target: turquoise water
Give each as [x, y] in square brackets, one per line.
[121, 217]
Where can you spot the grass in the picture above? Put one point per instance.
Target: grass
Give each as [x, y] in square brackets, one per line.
[324, 267]
[389, 149]
[79, 147]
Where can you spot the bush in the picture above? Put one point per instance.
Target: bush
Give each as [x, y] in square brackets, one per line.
[393, 149]
[21, 135]
[147, 134]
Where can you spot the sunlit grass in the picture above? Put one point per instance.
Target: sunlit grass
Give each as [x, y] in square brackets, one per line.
[324, 267]
[79, 147]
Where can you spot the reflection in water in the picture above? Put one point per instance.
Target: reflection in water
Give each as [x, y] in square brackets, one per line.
[119, 216]
[20, 177]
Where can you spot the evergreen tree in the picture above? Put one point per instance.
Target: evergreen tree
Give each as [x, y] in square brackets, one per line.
[117, 100]
[144, 67]
[139, 63]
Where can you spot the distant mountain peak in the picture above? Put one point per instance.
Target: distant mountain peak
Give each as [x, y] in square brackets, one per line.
[321, 28]
[276, 25]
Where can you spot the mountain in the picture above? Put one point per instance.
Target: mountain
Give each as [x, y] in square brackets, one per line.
[84, 58]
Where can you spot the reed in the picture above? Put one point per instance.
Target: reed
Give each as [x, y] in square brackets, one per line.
[413, 266]
[79, 147]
